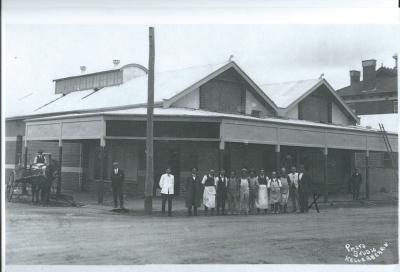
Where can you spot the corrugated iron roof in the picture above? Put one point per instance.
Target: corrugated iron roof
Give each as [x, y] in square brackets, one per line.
[285, 93]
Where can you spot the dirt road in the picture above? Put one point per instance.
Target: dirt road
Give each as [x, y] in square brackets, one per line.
[94, 235]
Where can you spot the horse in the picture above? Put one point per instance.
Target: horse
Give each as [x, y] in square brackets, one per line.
[41, 184]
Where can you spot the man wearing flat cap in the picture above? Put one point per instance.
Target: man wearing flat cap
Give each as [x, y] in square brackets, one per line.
[117, 180]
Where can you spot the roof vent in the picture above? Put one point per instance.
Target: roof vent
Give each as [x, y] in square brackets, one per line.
[83, 69]
[116, 62]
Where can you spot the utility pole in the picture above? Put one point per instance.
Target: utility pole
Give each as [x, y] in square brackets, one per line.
[148, 188]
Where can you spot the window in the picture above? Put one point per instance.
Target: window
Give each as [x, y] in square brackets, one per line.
[256, 113]
[395, 105]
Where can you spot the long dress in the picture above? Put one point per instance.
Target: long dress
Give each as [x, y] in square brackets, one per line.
[275, 186]
[262, 200]
[209, 192]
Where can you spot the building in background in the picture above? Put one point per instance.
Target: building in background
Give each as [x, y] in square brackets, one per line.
[211, 116]
[374, 100]
[376, 93]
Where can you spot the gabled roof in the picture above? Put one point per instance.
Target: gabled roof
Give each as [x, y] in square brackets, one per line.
[168, 87]
[287, 95]
[229, 65]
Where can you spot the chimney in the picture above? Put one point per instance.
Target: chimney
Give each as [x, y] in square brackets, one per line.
[395, 61]
[83, 69]
[116, 63]
[354, 77]
[369, 73]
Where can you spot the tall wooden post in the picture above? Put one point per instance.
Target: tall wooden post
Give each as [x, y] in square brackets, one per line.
[59, 179]
[367, 174]
[326, 189]
[148, 194]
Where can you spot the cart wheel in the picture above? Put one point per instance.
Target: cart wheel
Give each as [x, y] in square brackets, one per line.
[10, 186]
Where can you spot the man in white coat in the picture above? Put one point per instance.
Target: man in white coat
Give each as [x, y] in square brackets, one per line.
[167, 190]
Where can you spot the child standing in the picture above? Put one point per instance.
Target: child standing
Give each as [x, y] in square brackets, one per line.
[233, 193]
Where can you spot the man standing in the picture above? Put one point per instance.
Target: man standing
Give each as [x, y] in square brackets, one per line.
[284, 189]
[40, 158]
[222, 184]
[193, 191]
[304, 189]
[167, 190]
[117, 180]
[356, 181]
[294, 186]
[253, 191]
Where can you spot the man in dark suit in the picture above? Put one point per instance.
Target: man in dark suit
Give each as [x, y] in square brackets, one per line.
[304, 189]
[117, 180]
[193, 192]
[356, 181]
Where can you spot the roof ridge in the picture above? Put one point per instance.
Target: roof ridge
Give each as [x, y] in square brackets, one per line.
[292, 81]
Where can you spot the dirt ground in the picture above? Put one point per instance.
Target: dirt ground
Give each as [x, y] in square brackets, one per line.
[92, 234]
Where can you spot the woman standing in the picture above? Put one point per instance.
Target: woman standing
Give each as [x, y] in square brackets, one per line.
[262, 199]
[209, 192]
[233, 193]
[275, 185]
[244, 192]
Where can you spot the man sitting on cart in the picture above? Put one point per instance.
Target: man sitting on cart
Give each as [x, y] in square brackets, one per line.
[40, 158]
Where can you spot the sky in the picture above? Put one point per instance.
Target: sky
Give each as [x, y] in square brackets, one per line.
[38, 53]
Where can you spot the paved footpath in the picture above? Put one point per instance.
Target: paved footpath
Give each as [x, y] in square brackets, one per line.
[92, 234]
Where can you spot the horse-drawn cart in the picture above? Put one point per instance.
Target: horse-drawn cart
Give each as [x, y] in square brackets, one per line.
[38, 176]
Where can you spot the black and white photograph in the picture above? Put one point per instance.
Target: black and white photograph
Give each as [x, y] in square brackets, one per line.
[132, 142]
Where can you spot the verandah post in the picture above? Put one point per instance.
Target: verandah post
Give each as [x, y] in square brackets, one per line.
[325, 159]
[367, 174]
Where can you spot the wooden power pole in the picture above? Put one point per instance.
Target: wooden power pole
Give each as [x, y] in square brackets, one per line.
[148, 191]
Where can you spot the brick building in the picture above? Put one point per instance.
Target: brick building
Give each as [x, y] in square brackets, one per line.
[210, 116]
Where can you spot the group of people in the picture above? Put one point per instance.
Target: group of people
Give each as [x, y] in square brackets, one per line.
[245, 193]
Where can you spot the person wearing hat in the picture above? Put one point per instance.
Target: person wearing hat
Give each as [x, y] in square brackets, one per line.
[117, 180]
[40, 158]
[193, 192]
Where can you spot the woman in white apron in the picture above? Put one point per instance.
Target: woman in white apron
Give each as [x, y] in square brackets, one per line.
[209, 192]
[262, 199]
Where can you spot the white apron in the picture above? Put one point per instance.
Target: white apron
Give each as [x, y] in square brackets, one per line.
[209, 196]
[262, 200]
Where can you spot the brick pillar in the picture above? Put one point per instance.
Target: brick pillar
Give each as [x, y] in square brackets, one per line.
[100, 190]
[367, 174]
[59, 177]
[278, 158]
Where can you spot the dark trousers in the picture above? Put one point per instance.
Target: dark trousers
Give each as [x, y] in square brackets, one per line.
[303, 201]
[221, 198]
[356, 191]
[253, 194]
[117, 193]
[194, 210]
[166, 197]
